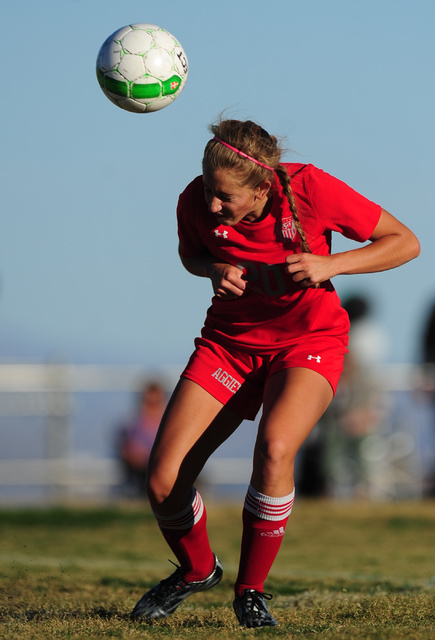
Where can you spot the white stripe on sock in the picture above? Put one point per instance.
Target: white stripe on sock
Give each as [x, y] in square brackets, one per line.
[268, 507]
[186, 518]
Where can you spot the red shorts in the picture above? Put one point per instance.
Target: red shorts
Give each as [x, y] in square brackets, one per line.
[237, 378]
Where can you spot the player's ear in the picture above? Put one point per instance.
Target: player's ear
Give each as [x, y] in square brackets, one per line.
[263, 189]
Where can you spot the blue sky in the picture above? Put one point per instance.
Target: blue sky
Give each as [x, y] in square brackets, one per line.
[88, 248]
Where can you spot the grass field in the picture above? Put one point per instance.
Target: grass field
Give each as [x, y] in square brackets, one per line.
[345, 571]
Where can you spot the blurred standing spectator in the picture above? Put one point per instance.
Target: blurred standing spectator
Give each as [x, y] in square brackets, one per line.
[428, 346]
[356, 411]
[136, 436]
[368, 342]
[331, 462]
[428, 387]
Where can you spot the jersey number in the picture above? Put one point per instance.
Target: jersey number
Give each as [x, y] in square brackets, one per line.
[268, 278]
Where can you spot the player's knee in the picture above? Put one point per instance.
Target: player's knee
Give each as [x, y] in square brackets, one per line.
[275, 458]
[159, 486]
[275, 451]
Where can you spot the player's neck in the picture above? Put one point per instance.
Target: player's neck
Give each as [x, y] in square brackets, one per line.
[264, 213]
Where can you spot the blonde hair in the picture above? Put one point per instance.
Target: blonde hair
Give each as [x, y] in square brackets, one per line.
[251, 139]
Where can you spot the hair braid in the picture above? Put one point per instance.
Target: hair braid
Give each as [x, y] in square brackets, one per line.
[284, 179]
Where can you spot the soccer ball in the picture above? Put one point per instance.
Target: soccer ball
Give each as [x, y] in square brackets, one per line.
[142, 68]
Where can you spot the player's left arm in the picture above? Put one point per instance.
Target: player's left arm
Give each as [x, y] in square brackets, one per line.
[391, 245]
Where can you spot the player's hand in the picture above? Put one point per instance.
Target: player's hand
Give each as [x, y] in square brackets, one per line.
[308, 269]
[227, 281]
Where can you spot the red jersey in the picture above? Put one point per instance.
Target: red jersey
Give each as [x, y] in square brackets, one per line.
[275, 312]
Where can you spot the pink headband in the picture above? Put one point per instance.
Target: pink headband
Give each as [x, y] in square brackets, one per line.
[242, 154]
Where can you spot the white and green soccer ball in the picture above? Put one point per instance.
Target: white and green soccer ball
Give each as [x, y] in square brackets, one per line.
[142, 68]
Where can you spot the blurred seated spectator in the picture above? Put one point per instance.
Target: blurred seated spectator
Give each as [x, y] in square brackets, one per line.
[136, 436]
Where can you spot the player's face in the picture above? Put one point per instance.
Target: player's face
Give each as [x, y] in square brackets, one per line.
[229, 202]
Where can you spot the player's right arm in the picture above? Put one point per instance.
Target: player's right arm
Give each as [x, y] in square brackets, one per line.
[226, 279]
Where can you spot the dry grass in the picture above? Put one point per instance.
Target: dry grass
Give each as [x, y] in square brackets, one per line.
[345, 572]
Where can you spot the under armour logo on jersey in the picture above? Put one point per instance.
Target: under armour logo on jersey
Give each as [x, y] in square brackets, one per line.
[224, 234]
[288, 228]
[318, 358]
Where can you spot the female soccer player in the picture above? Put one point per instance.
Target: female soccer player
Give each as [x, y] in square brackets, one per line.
[275, 335]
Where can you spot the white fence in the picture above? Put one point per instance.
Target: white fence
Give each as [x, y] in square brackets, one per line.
[47, 391]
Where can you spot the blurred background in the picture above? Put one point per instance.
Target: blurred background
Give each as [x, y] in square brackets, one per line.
[97, 316]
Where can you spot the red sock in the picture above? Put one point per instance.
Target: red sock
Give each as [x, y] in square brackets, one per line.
[186, 534]
[264, 521]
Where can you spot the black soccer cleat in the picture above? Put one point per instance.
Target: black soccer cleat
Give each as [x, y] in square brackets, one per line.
[167, 595]
[251, 611]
